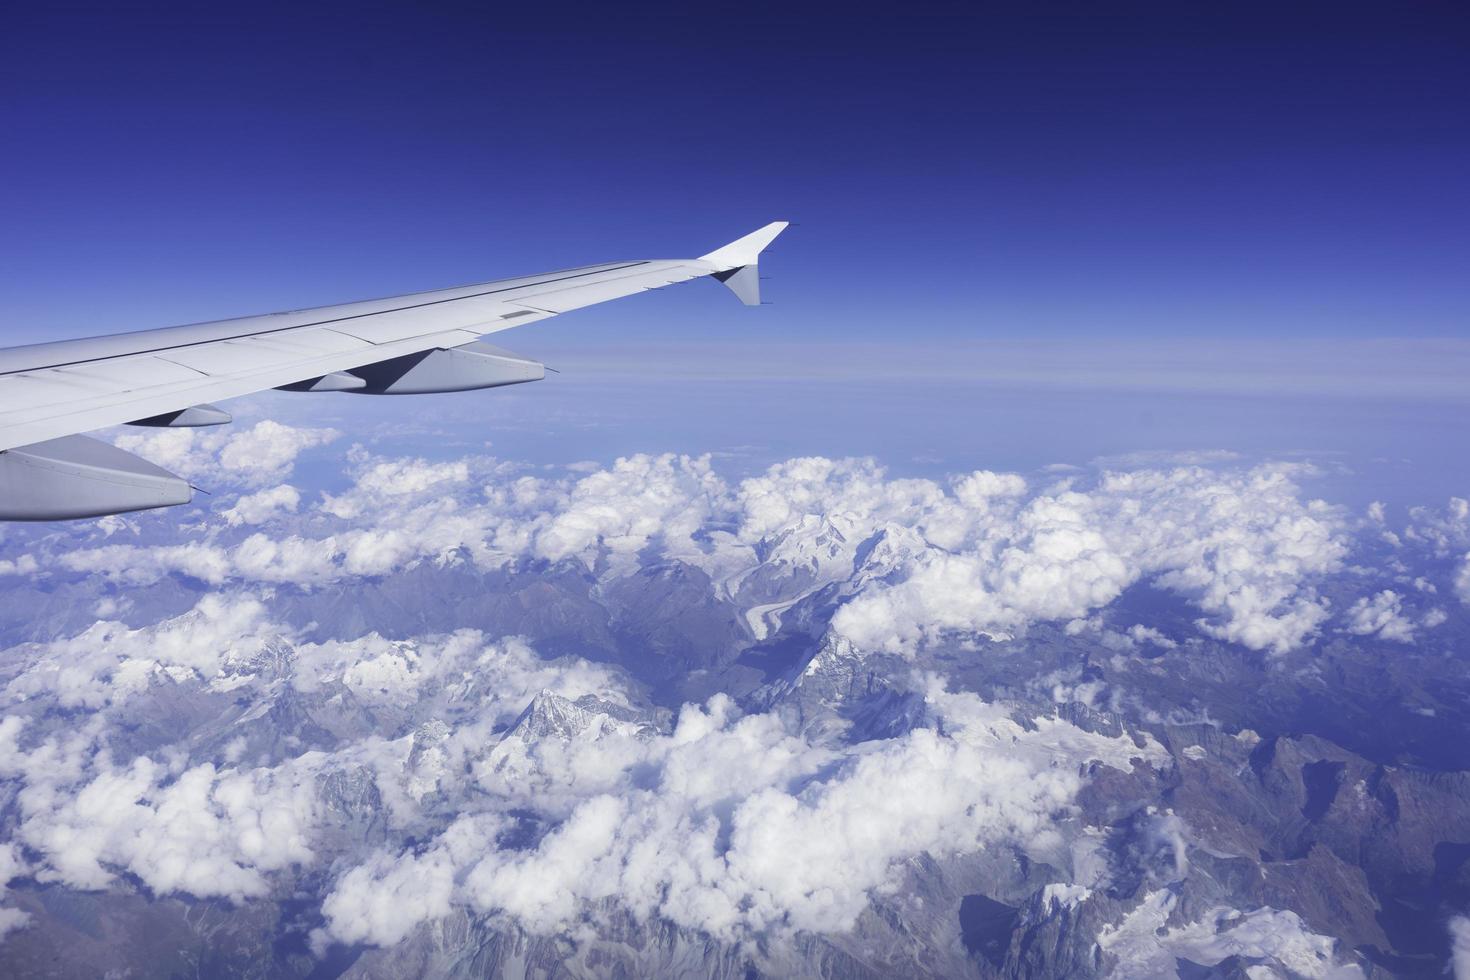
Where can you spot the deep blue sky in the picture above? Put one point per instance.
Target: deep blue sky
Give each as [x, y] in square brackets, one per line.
[1001, 171]
[1233, 214]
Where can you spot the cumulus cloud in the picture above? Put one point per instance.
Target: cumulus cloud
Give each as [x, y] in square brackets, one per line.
[1444, 532]
[549, 793]
[499, 677]
[200, 830]
[137, 565]
[1381, 615]
[619, 511]
[1459, 929]
[223, 639]
[261, 506]
[178, 828]
[1242, 545]
[978, 555]
[224, 830]
[729, 823]
[382, 481]
[225, 456]
[204, 832]
[733, 825]
[12, 866]
[384, 900]
[23, 565]
[109, 661]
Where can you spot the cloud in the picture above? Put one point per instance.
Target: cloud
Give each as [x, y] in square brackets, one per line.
[1240, 544]
[1443, 532]
[381, 481]
[497, 677]
[383, 901]
[200, 830]
[548, 794]
[263, 505]
[1381, 615]
[253, 457]
[976, 556]
[856, 490]
[267, 450]
[110, 662]
[223, 639]
[22, 565]
[205, 832]
[1459, 929]
[213, 830]
[140, 565]
[733, 826]
[641, 499]
[12, 866]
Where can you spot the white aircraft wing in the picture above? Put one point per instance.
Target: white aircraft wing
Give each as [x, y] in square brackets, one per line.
[420, 342]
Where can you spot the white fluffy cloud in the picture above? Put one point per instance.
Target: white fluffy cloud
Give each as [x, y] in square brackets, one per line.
[22, 565]
[202, 831]
[1381, 615]
[978, 555]
[261, 506]
[382, 481]
[619, 511]
[208, 830]
[1242, 545]
[732, 825]
[139, 565]
[177, 827]
[225, 456]
[384, 900]
[199, 830]
[110, 662]
[1443, 532]
[11, 866]
[1459, 928]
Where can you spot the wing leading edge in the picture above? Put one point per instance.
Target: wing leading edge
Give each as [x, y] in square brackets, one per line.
[410, 344]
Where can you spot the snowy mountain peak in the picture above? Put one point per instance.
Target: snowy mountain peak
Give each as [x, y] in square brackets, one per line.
[550, 715]
[887, 553]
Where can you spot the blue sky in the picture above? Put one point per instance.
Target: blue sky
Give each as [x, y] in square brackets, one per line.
[1270, 197]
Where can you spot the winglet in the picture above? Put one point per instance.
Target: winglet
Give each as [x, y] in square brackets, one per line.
[737, 262]
[747, 250]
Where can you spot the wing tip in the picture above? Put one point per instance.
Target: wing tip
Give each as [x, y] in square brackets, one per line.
[745, 250]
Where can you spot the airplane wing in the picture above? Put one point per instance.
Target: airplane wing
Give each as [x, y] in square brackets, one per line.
[417, 343]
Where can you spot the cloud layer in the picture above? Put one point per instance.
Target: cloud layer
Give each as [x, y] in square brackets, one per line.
[729, 823]
[552, 796]
[921, 560]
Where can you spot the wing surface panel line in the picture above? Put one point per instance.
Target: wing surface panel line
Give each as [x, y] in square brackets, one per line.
[294, 326]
